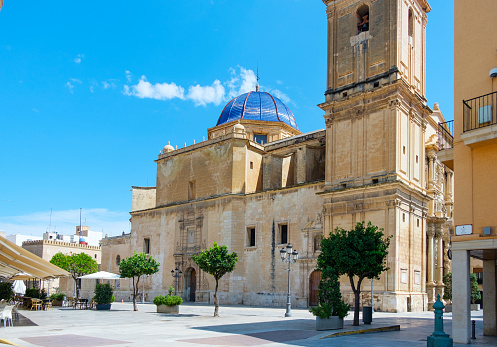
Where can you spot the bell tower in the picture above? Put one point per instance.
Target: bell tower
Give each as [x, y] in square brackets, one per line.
[375, 114]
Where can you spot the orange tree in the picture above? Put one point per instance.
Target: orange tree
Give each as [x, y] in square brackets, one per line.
[135, 266]
[358, 253]
[77, 264]
[217, 262]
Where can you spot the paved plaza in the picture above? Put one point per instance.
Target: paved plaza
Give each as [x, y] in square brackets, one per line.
[237, 326]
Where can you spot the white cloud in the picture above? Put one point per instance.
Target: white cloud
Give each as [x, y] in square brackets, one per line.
[202, 96]
[70, 84]
[280, 95]
[158, 91]
[128, 76]
[109, 84]
[78, 58]
[65, 222]
[242, 82]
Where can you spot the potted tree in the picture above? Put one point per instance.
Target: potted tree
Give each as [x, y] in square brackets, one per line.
[475, 292]
[57, 299]
[103, 296]
[331, 309]
[168, 304]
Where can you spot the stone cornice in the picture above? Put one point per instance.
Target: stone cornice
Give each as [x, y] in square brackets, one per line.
[60, 243]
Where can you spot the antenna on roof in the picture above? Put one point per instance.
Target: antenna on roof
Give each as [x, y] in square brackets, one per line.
[257, 85]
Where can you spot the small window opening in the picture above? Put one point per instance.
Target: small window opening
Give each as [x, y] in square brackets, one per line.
[344, 94]
[251, 237]
[146, 245]
[283, 233]
[418, 222]
[404, 149]
[416, 159]
[403, 217]
[118, 259]
[191, 190]
[251, 165]
[376, 84]
[95, 256]
[375, 180]
[317, 242]
[260, 138]
[410, 29]
[363, 18]
[344, 185]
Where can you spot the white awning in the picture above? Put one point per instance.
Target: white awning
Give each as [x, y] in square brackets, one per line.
[15, 259]
[101, 275]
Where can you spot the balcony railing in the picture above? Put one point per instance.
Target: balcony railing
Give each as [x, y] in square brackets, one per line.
[445, 135]
[479, 112]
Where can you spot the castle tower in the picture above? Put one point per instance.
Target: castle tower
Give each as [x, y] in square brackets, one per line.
[375, 114]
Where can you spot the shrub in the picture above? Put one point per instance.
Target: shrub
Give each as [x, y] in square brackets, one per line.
[57, 296]
[36, 293]
[170, 300]
[6, 292]
[103, 293]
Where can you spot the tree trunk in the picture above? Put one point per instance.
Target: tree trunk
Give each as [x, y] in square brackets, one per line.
[357, 298]
[216, 301]
[77, 287]
[135, 290]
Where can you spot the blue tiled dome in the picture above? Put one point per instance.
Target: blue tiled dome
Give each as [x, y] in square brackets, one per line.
[257, 106]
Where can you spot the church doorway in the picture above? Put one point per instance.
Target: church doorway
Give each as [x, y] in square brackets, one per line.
[190, 284]
[313, 287]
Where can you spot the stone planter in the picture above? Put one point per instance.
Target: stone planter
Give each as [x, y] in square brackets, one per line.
[168, 309]
[56, 302]
[475, 307]
[331, 323]
[101, 307]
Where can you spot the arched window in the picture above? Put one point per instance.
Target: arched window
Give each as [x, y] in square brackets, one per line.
[118, 259]
[363, 18]
[410, 29]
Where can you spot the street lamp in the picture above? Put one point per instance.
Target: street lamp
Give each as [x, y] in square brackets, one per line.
[176, 274]
[290, 257]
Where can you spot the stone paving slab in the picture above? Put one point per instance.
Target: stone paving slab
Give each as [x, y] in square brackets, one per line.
[237, 325]
[70, 340]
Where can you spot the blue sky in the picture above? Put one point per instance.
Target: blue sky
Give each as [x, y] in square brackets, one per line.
[90, 92]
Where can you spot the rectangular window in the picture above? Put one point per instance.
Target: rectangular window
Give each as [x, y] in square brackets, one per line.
[417, 277]
[146, 245]
[403, 275]
[191, 190]
[251, 237]
[260, 138]
[283, 233]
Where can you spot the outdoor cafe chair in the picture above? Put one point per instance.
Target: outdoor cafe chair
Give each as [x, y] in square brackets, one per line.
[15, 312]
[6, 315]
[36, 304]
[47, 304]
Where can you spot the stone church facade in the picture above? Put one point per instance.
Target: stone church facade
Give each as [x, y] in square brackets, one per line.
[258, 183]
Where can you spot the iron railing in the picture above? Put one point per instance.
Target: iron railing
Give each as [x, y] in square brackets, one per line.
[445, 135]
[479, 112]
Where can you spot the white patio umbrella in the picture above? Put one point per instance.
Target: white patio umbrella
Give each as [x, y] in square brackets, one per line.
[101, 275]
[19, 287]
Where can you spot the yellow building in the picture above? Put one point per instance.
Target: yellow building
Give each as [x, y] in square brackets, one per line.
[475, 160]
[258, 183]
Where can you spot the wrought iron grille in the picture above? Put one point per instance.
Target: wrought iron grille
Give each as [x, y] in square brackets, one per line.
[479, 112]
[445, 135]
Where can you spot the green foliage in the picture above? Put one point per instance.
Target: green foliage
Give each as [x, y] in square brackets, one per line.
[36, 293]
[113, 298]
[57, 296]
[330, 298]
[358, 253]
[135, 266]
[103, 293]
[447, 279]
[170, 291]
[475, 291]
[216, 261]
[6, 292]
[169, 300]
[77, 264]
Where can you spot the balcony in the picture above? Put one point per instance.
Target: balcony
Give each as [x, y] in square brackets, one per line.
[446, 143]
[480, 120]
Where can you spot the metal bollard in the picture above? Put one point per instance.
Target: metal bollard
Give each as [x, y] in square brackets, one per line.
[473, 329]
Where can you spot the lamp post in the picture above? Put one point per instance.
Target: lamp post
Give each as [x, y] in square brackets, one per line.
[290, 257]
[176, 274]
